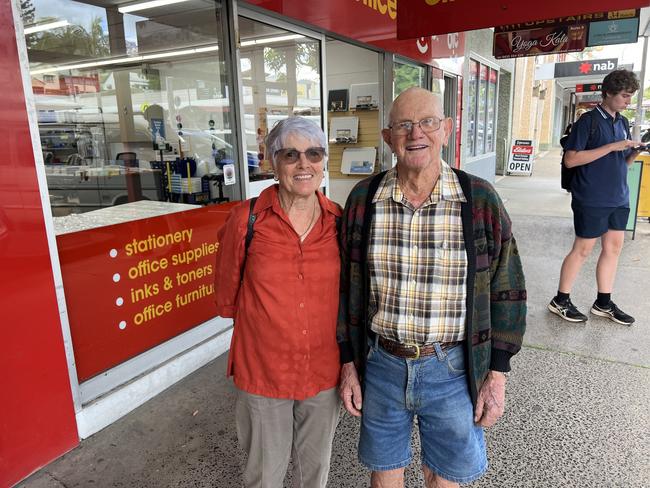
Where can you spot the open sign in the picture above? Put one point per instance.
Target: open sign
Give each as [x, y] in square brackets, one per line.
[520, 161]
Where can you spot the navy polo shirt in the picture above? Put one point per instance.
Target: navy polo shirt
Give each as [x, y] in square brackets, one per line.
[603, 182]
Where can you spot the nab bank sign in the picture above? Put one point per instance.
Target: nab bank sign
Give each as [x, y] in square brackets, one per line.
[588, 67]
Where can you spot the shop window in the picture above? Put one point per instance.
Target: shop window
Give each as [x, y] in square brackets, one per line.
[406, 76]
[491, 111]
[472, 99]
[148, 83]
[482, 110]
[481, 103]
[134, 115]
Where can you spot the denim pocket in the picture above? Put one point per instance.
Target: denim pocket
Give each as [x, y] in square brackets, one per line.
[456, 361]
[371, 353]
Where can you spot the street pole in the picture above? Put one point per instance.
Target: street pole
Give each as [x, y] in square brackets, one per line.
[636, 133]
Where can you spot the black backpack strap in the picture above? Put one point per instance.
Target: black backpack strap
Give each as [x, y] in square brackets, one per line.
[252, 217]
[594, 126]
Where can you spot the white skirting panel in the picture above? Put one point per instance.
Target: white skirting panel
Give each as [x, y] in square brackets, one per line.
[110, 407]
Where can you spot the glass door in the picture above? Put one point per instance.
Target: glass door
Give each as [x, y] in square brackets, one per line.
[280, 72]
[407, 75]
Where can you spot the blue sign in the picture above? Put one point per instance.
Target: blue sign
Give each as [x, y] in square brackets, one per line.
[618, 31]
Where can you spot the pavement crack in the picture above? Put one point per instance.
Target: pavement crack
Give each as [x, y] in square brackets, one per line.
[57, 480]
[540, 347]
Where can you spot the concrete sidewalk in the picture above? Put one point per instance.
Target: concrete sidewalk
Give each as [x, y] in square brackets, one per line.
[577, 400]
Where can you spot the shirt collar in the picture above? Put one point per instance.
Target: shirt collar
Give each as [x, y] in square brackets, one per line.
[447, 187]
[269, 197]
[605, 114]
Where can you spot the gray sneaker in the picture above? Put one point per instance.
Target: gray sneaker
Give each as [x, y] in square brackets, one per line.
[566, 310]
[612, 312]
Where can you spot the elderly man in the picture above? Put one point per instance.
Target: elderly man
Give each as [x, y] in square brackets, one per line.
[432, 305]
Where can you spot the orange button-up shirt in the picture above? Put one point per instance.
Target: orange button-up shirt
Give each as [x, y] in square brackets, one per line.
[284, 338]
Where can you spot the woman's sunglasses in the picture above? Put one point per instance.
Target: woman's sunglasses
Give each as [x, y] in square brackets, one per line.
[291, 155]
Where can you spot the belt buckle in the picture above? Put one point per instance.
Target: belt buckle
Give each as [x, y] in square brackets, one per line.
[417, 350]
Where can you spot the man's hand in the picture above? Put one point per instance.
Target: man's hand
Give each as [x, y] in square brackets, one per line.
[350, 389]
[491, 399]
[623, 145]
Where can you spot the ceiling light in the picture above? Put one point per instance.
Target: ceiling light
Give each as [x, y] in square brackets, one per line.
[127, 59]
[48, 26]
[270, 40]
[145, 5]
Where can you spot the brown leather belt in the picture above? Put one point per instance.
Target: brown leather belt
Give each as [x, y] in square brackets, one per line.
[413, 351]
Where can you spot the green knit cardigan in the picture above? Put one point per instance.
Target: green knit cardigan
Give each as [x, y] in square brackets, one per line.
[496, 317]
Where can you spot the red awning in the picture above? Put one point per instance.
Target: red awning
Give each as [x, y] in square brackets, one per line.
[418, 18]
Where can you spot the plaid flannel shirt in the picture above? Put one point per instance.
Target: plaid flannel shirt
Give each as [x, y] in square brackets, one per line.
[418, 264]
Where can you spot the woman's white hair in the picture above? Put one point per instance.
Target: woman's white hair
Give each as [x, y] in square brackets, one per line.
[298, 126]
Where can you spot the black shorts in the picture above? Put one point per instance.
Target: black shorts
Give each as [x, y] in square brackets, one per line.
[591, 222]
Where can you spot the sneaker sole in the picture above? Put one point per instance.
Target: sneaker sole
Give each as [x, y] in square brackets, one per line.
[559, 314]
[608, 316]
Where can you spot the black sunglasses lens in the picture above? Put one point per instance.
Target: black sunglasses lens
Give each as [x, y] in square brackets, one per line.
[315, 154]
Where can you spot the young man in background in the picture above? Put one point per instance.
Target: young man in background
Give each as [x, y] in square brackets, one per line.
[601, 151]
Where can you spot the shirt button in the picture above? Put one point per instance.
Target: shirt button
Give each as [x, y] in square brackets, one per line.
[415, 246]
[300, 276]
[304, 332]
[302, 305]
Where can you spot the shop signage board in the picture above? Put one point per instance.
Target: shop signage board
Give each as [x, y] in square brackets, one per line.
[434, 17]
[589, 87]
[644, 192]
[587, 67]
[373, 22]
[520, 161]
[622, 31]
[132, 286]
[545, 40]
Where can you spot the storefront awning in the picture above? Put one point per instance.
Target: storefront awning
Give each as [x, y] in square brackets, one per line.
[418, 18]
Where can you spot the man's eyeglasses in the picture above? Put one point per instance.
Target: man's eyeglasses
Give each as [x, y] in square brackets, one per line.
[291, 155]
[405, 127]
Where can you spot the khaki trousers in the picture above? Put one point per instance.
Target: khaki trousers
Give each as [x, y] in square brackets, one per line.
[273, 430]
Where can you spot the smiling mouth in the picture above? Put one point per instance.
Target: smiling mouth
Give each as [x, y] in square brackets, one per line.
[417, 148]
[303, 177]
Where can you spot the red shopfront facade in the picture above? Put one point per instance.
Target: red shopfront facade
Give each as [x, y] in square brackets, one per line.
[64, 273]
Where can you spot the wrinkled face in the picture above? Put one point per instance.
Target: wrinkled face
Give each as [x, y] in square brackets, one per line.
[417, 149]
[303, 176]
[618, 102]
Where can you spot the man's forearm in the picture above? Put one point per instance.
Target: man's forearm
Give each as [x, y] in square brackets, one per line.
[580, 158]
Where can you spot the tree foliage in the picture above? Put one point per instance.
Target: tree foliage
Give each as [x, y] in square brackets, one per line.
[275, 59]
[74, 40]
[27, 11]
[405, 76]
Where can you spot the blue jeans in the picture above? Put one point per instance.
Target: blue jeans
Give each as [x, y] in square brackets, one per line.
[435, 389]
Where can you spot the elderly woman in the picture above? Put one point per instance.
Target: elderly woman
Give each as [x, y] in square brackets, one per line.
[283, 294]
